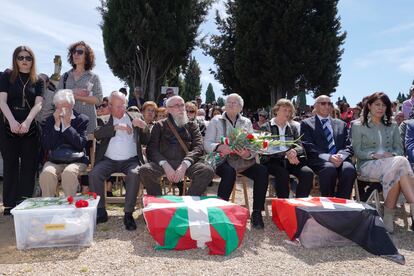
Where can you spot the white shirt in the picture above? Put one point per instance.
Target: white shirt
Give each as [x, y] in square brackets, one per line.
[122, 146]
[282, 133]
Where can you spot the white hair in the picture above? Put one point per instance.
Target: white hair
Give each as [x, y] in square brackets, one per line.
[117, 95]
[64, 95]
[167, 102]
[237, 97]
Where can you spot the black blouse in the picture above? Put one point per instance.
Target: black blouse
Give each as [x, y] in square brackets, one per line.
[20, 106]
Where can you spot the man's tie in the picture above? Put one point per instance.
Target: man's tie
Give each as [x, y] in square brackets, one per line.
[329, 136]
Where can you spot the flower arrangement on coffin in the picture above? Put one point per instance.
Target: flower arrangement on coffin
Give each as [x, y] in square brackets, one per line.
[255, 142]
[81, 201]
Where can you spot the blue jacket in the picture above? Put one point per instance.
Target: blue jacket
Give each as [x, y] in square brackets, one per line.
[75, 135]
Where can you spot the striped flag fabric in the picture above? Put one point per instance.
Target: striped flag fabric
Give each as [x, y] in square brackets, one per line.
[355, 221]
[186, 222]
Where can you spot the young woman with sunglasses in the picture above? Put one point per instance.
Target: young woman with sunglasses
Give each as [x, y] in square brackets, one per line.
[85, 85]
[20, 101]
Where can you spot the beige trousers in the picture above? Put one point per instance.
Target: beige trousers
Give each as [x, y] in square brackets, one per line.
[68, 173]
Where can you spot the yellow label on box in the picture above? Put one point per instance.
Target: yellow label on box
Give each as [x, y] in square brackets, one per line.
[54, 227]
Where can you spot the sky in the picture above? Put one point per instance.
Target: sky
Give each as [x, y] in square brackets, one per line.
[379, 47]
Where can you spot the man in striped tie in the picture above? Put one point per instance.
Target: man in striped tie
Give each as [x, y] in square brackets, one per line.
[329, 150]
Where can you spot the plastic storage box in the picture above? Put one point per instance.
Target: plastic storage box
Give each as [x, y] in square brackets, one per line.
[52, 222]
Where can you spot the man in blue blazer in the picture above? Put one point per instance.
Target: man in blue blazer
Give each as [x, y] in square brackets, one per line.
[329, 150]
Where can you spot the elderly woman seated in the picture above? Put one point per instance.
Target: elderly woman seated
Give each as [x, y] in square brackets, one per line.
[65, 128]
[379, 152]
[222, 125]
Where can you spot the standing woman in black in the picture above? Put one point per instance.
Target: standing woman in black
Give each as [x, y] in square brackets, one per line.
[20, 101]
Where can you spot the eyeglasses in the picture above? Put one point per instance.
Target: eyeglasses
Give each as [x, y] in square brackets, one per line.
[325, 103]
[261, 115]
[78, 51]
[190, 111]
[27, 58]
[103, 105]
[177, 106]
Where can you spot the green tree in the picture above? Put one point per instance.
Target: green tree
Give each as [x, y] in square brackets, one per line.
[276, 48]
[192, 86]
[210, 95]
[144, 39]
[344, 99]
[220, 101]
[288, 45]
[222, 48]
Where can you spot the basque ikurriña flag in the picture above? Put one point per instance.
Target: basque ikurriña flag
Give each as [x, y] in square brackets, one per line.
[185, 222]
[355, 221]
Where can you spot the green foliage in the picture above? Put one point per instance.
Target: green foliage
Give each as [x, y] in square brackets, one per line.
[220, 101]
[222, 49]
[268, 49]
[344, 99]
[144, 39]
[192, 86]
[210, 95]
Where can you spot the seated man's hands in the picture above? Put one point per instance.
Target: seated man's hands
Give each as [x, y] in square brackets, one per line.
[180, 172]
[169, 172]
[336, 159]
[123, 127]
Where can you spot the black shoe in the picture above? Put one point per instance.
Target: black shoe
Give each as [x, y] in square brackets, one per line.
[101, 215]
[257, 220]
[6, 211]
[129, 222]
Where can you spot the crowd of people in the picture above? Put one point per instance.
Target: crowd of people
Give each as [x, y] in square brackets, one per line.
[149, 140]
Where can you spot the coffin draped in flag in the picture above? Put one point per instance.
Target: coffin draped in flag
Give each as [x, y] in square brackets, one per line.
[357, 222]
[189, 222]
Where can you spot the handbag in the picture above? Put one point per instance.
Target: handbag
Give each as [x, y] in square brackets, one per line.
[238, 163]
[65, 154]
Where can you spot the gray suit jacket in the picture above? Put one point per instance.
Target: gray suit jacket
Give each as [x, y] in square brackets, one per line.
[104, 134]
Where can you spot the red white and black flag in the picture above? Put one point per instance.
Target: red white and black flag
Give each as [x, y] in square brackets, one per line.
[355, 221]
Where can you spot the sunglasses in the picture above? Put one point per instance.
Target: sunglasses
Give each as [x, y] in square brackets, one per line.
[103, 105]
[261, 115]
[78, 51]
[325, 103]
[27, 58]
[190, 111]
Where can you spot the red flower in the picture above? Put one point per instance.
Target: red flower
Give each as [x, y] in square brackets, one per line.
[265, 144]
[70, 199]
[92, 194]
[250, 136]
[81, 203]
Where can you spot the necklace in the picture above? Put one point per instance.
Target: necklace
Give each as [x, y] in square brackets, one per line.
[24, 87]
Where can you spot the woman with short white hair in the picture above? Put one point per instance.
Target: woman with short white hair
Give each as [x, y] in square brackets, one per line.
[64, 131]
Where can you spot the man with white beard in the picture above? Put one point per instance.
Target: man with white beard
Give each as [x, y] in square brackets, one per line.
[174, 150]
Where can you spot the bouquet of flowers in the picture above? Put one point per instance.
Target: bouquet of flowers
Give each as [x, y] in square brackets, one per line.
[239, 139]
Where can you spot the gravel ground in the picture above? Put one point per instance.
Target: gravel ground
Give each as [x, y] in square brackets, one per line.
[116, 251]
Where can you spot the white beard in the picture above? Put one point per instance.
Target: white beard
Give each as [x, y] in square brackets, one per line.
[181, 120]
